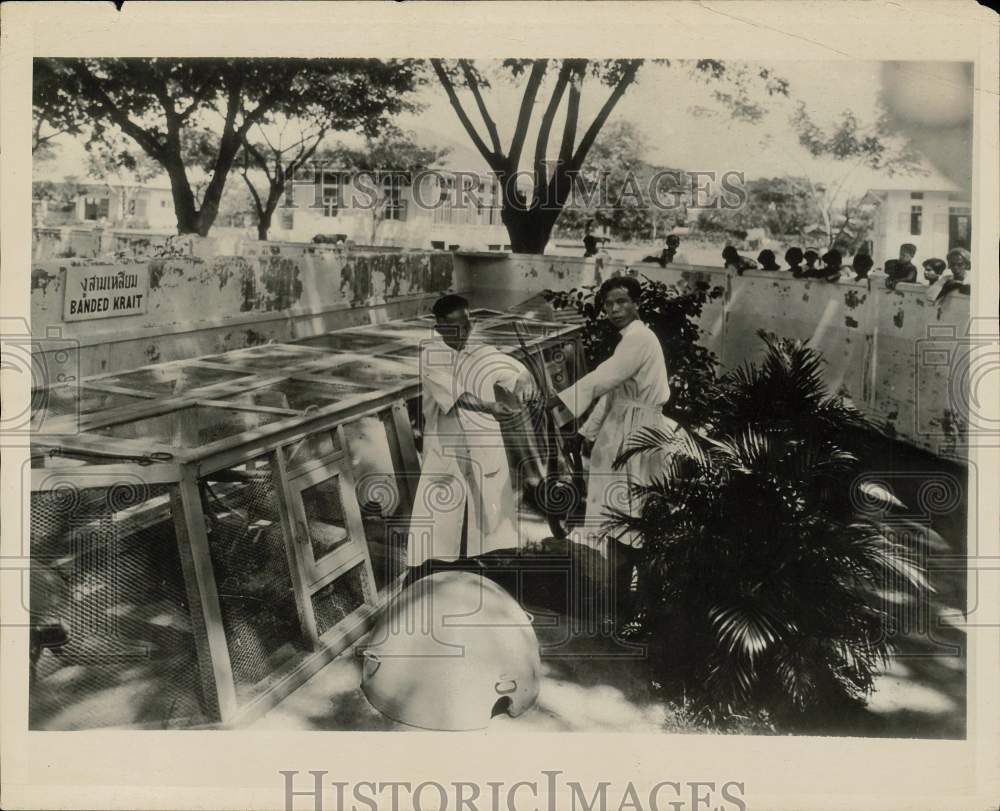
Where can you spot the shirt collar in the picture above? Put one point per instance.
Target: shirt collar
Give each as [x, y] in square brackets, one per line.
[633, 326]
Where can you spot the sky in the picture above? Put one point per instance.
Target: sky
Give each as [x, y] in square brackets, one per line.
[687, 128]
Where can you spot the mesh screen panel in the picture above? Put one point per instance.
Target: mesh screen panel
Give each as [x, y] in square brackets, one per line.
[325, 517]
[247, 546]
[191, 427]
[106, 582]
[339, 598]
[65, 401]
[299, 395]
[347, 341]
[376, 372]
[171, 379]
[408, 351]
[268, 358]
[314, 446]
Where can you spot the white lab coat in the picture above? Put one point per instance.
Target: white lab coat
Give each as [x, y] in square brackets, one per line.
[631, 389]
[464, 470]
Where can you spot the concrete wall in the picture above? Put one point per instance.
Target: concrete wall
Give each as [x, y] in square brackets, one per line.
[899, 357]
[89, 242]
[198, 305]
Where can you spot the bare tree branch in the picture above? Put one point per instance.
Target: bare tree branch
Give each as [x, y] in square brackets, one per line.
[628, 76]
[449, 89]
[538, 69]
[491, 127]
[572, 112]
[545, 127]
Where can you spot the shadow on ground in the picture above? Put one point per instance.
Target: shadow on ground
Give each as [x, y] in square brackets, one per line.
[592, 682]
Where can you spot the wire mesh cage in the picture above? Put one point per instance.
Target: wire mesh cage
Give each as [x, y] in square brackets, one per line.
[112, 641]
[169, 379]
[201, 528]
[57, 403]
[247, 544]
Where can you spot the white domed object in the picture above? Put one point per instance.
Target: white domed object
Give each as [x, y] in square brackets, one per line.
[450, 652]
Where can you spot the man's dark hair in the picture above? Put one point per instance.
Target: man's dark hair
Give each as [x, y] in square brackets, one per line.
[909, 247]
[862, 263]
[793, 256]
[730, 254]
[810, 256]
[766, 259]
[446, 305]
[673, 240]
[936, 265]
[626, 283]
[833, 257]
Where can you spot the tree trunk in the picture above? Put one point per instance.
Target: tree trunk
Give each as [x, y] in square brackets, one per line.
[184, 207]
[529, 229]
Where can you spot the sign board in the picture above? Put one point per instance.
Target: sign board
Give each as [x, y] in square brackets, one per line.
[105, 292]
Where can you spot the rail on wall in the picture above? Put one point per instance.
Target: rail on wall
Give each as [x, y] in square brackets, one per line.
[898, 356]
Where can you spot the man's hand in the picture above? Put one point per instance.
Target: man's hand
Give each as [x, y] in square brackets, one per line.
[501, 411]
[525, 388]
[554, 402]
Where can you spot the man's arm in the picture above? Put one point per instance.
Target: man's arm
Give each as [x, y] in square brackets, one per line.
[472, 403]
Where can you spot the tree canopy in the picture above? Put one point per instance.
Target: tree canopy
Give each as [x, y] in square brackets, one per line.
[161, 103]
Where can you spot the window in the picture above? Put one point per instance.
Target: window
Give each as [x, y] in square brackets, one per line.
[331, 200]
[916, 220]
[917, 195]
[95, 208]
[163, 203]
[395, 205]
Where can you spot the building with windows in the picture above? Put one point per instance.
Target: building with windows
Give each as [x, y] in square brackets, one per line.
[928, 211]
[434, 209]
[149, 205]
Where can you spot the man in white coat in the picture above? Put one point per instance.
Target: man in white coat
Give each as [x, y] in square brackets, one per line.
[464, 492]
[630, 389]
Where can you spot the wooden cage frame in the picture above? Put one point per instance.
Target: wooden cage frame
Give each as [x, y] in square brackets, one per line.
[182, 467]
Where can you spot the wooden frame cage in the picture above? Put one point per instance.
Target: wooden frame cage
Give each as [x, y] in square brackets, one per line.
[208, 533]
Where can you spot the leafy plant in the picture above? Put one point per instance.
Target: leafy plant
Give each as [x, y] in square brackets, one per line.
[672, 314]
[759, 589]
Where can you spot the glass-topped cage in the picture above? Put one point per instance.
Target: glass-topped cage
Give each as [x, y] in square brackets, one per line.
[207, 533]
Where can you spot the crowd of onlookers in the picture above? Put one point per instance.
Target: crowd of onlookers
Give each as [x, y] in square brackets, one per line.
[943, 276]
[951, 274]
[830, 266]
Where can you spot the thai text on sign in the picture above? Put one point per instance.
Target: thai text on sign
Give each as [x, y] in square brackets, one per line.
[105, 292]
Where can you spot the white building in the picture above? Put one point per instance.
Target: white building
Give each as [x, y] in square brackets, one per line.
[424, 211]
[146, 206]
[928, 211]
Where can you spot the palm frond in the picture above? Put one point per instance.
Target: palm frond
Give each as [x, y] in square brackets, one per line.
[647, 440]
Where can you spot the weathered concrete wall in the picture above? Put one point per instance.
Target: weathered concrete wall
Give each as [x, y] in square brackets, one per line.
[198, 306]
[899, 357]
[834, 318]
[88, 242]
[896, 354]
[920, 365]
